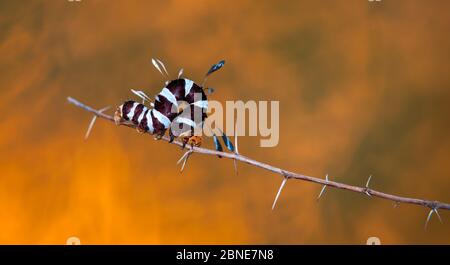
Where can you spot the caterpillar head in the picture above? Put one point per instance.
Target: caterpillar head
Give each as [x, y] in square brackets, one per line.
[118, 118]
[122, 111]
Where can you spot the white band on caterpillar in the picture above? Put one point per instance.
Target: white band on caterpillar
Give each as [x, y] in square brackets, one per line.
[201, 104]
[186, 121]
[187, 86]
[161, 118]
[131, 113]
[169, 96]
[142, 115]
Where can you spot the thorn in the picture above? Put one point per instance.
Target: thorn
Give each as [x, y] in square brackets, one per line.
[104, 109]
[368, 181]
[323, 188]
[184, 158]
[367, 186]
[184, 162]
[396, 204]
[438, 215]
[180, 73]
[91, 124]
[428, 218]
[279, 192]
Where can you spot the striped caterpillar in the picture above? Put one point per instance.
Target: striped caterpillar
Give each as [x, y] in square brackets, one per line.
[169, 110]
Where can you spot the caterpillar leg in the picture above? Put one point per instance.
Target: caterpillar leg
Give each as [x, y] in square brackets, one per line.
[141, 129]
[195, 141]
[171, 135]
[192, 141]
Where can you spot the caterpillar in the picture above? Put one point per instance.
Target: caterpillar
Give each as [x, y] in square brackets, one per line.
[168, 112]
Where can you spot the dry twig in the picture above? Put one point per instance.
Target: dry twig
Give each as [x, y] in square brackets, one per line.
[434, 206]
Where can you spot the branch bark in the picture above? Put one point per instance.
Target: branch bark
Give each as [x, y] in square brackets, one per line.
[433, 205]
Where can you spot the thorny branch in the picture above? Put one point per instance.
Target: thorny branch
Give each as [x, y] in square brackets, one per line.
[434, 206]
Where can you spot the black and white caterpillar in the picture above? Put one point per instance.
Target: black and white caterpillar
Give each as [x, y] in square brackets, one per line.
[180, 107]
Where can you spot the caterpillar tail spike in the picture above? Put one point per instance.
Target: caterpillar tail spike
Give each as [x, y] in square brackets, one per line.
[213, 68]
[227, 141]
[217, 144]
[235, 149]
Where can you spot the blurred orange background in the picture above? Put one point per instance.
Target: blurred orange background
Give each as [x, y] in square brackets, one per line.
[363, 89]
